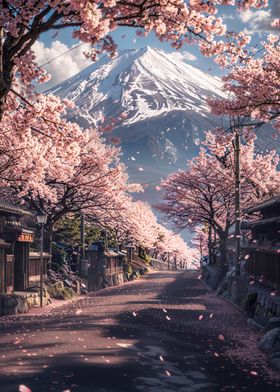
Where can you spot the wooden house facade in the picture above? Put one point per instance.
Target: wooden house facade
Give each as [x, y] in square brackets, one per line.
[105, 266]
[18, 267]
[262, 253]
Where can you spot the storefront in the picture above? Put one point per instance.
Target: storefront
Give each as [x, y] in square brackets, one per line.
[14, 249]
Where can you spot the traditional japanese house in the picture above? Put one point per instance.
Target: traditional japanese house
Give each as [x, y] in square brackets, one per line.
[262, 253]
[105, 266]
[18, 267]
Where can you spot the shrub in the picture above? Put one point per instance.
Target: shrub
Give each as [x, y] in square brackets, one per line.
[57, 290]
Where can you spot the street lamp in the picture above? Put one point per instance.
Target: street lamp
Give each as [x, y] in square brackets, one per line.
[41, 220]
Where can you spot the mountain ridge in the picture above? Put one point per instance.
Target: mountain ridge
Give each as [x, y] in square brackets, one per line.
[156, 105]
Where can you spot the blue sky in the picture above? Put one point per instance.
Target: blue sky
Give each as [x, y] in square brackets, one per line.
[254, 22]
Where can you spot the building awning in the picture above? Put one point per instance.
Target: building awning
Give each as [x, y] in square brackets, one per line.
[262, 249]
[265, 204]
[251, 224]
[26, 235]
[6, 208]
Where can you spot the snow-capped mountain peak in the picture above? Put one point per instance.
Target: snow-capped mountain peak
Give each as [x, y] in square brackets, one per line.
[142, 83]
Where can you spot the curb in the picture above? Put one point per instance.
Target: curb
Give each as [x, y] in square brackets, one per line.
[250, 322]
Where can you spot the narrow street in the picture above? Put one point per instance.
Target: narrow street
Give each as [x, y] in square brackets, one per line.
[164, 332]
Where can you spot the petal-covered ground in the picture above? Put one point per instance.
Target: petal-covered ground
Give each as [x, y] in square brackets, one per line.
[165, 332]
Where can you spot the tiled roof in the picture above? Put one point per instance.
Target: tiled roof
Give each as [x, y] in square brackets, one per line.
[8, 208]
[275, 201]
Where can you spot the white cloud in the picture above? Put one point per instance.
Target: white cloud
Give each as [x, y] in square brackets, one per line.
[184, 56]
[227, 17]
[260, 20]
[62, 67]
[254, 17]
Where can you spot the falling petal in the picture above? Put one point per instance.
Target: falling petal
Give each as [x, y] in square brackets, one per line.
[24, 388]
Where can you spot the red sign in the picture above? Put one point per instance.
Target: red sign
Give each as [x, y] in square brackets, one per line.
[26, 237]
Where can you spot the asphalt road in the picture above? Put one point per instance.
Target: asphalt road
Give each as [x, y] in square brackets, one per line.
[165, 332]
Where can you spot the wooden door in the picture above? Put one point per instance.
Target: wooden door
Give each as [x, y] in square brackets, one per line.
[21, 274]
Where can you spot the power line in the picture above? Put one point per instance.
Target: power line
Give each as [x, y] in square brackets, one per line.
[62, 54]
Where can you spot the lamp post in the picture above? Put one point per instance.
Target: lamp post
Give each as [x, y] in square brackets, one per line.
[41, 219]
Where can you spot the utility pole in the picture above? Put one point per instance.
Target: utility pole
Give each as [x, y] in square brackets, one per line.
[83, 261]
[237, 201]
[82, 235]
[168, 261]
[210, 244]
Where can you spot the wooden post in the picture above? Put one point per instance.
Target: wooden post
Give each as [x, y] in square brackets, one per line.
[168, 261]
[210, 244]
[41, 265]
[82, 235]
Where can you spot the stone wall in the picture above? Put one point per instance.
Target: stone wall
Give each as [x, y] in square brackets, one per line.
[266, 306]
[162, 265]
[211, 275]
[21, 302]
[262, 308]
[256, 300]
[99, 281]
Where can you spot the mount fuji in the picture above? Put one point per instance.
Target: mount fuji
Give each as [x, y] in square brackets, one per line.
[155, 103]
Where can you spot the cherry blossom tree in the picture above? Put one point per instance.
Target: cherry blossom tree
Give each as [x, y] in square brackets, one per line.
[61, 169]
[200, 239]
[204, 193]
[253, 87]
[41, 142]
[22, 23]
[134, 223]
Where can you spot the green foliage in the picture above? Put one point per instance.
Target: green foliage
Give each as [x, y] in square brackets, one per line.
[57, 290]
[68, 231]
[128, 268]
[59, 256]
[144, 255]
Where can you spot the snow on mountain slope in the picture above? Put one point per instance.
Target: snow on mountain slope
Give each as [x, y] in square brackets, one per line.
[143, 83]
[157, 104]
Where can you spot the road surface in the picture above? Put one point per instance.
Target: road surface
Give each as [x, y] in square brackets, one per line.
[165, 332]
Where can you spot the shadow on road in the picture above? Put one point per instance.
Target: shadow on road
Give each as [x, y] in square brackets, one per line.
[143, 336]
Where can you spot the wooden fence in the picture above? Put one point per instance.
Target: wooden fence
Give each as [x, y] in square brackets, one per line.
[113, 266]
[35, 266]
[264, 265]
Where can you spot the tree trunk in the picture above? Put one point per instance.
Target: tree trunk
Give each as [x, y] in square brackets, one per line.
[223, 254]
[5, 75]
